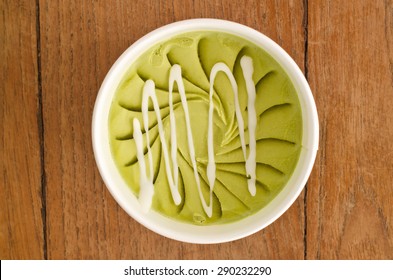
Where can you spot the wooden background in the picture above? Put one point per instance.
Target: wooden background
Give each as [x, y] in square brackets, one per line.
[54, 56]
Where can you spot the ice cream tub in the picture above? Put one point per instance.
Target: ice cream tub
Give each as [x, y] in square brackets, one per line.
[205, 131]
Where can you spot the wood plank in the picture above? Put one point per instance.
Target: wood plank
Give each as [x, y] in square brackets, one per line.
[21, 227]
[80, 42]
[350, 66]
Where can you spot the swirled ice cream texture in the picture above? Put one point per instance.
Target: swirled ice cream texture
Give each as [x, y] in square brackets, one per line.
[160, 128]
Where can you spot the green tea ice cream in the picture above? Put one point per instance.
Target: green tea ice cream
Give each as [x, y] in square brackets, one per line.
[205, 128]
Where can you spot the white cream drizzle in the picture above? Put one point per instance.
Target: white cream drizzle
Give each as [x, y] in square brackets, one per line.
[248, 70]
[146, 181]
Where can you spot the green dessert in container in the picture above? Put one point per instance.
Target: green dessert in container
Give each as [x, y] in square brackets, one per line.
[205, 128]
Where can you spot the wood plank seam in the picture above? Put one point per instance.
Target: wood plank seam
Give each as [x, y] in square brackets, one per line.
[40, 120]
[305, 30]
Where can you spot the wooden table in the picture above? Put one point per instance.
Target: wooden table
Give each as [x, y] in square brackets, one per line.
[54, 56]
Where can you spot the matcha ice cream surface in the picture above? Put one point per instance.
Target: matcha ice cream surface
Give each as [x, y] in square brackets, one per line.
[205, 128]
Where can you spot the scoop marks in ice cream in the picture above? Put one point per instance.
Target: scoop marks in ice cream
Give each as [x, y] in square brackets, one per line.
[205, 128]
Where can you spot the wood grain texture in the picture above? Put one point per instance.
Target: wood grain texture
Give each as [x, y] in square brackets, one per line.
[21, 227]
[80, 42]
[48, 89]
[350, 66]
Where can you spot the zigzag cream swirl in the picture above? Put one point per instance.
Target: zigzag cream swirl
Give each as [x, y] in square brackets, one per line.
[146, 181]
[205, 128]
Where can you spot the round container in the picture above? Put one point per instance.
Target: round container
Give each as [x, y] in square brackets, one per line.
[182, 231]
